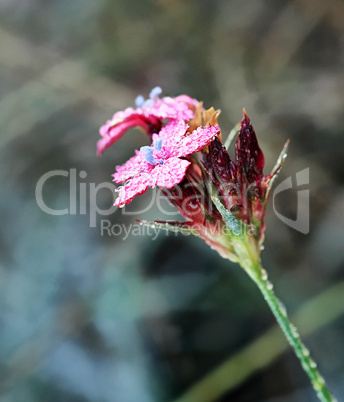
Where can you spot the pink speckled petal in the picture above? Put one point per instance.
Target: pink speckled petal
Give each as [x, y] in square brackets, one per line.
[164, 108]
[169, 108]
[174, 129]
[188, 100]
[171, 134]
[194, 142]
[149, 117]
[110, 133]
[122, 115]
[169, 174]
[131, 168]
[136, 186]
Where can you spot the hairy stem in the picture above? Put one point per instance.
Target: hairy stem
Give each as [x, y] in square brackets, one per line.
[235, 370]
[259, 276]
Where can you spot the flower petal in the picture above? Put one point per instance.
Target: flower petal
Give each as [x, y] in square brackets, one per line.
[136, 186]
[170, 108]
[131, 168]
[173, 130]
[169, 174]
[149, 116]
[112, 133]
[194, 142]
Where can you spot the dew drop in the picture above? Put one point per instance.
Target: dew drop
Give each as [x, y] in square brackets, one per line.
[153, 226]
[282, 308]
[269, 285]
[305, 351]
[262, 248]
[313, 364]
[264, 274]
[294, 331]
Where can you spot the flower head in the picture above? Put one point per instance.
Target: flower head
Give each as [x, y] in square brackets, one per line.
[149, 115]
[188, 162]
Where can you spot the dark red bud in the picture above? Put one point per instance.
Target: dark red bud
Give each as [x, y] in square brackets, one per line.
[248, 156]
[224, 169]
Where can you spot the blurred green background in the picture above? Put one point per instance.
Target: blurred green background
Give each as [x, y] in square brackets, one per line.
[86, 317]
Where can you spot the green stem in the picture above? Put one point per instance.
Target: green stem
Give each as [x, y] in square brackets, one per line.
[259, 276]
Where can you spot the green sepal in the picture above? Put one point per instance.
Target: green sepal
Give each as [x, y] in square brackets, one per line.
[235, 131]
[276, 169]
[232, 222]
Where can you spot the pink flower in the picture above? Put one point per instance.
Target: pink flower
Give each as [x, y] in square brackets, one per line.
[161, 164]
[222, 200]
[149, 115]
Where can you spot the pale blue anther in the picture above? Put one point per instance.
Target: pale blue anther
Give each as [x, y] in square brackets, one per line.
[139, 101]
[158, 144]
[149, 102]
[155, 92]
[148, 154]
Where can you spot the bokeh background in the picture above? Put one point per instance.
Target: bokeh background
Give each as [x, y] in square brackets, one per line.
[86, 317]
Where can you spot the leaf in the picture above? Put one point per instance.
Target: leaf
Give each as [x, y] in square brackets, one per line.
[233, 223]
[276, 169]
[235, 131]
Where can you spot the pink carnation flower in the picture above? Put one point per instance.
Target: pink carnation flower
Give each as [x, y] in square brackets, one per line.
[149, 115]
[161, 164]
